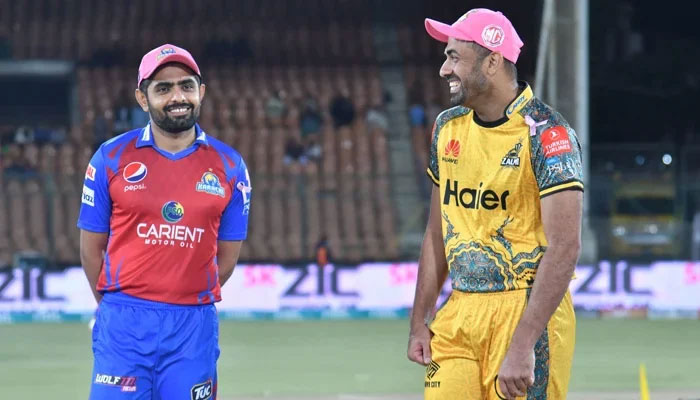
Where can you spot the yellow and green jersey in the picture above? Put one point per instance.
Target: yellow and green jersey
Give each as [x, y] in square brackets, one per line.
[491, 177]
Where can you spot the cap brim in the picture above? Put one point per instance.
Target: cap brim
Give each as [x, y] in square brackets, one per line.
[441, 31]
[172, 58]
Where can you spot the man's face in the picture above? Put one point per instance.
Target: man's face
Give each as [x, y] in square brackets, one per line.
[174, 98]
[462, 69]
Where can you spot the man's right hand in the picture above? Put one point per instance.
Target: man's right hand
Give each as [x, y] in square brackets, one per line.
[419, 345]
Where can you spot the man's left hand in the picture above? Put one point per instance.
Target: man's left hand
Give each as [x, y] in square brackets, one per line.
[517, 372]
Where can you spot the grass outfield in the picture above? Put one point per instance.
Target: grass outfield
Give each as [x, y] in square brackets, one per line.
[330, 357]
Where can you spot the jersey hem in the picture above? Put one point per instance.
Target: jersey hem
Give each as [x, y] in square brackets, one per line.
[233, 237]
[432, 177]
[571, 185]
[92, 228]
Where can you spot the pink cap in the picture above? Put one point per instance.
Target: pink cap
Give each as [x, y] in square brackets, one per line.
[164, 54]
[488, 28]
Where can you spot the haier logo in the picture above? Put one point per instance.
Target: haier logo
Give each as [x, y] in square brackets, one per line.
[202, 391]
[474, 198]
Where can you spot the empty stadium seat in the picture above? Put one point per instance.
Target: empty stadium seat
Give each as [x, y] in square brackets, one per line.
[343, 196]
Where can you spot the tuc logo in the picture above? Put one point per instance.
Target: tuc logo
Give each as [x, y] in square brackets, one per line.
[202, 391]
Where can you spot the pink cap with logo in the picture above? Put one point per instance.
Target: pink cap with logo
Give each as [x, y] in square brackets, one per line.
[164, 54]
[488, 28]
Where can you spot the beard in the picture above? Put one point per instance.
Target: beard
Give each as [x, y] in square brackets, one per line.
[457, 99]
[177, 124]
[476, 82]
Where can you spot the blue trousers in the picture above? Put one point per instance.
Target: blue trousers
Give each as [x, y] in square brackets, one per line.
[148, 350]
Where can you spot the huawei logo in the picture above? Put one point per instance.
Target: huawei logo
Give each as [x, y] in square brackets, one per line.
[452, 148]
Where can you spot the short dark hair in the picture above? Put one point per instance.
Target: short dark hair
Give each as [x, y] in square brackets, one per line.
[482, 52]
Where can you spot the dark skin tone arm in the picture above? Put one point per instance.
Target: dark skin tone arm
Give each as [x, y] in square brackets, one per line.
[92, 248]
[227, 257]
[432, 272]
[561, 217]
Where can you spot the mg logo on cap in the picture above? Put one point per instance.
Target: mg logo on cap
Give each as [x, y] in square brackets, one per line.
[164, 52]
[492, 35]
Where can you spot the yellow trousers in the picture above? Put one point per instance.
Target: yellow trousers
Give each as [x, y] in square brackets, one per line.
[471, 334]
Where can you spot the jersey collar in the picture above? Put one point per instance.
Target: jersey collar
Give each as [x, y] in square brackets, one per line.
[146, 137]
[524, 96]
[520, 101]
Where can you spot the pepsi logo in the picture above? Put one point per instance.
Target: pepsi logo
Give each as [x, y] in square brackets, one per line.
[135, 172]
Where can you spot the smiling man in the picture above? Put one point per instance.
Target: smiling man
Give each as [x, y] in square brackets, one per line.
[164, 210]
[505, 223]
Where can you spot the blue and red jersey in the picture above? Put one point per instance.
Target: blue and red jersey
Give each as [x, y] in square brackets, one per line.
[164, 214]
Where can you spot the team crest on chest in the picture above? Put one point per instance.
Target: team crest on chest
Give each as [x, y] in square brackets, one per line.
[512, 158]
[210, 184]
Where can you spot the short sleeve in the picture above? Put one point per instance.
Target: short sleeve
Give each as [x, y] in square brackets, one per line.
[234, 220]
[95, 204]
[433, 169]
[556, 160]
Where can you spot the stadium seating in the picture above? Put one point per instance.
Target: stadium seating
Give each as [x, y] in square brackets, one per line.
[247, 52]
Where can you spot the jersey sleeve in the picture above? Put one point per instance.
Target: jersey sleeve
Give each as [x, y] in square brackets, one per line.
[95, 204]
[234, 220]
[433, 168]
[556, 160]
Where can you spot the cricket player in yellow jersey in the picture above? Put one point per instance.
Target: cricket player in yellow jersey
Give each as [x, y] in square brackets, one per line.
[505, 222]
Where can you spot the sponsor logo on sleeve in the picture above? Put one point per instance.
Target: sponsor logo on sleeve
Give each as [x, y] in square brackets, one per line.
[90, 172]
[555, 141]
[245, 189]
[88, 196]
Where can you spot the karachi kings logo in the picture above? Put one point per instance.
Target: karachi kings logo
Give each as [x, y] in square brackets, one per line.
[210, 184]
[512, 158]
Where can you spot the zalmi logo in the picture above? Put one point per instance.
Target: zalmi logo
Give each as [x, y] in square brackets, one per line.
[512, 158]
[452, 150]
